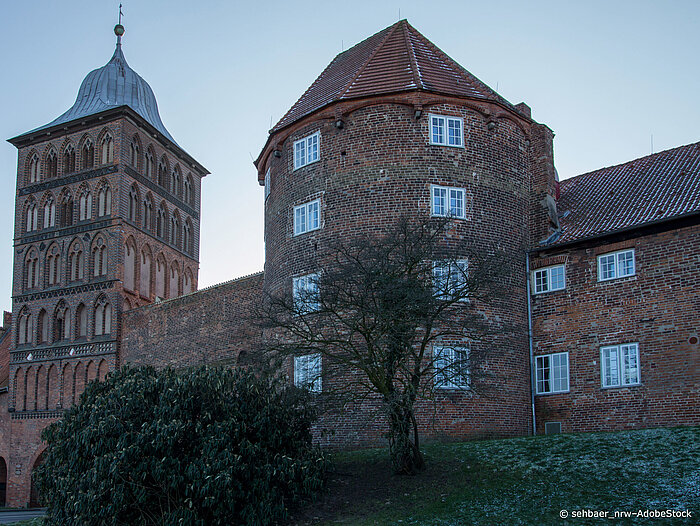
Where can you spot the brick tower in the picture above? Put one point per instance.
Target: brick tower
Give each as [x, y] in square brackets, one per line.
[394, 127]
[106, 219]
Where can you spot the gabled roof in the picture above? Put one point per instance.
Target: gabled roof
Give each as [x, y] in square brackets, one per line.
[396, 59]
[650, 189]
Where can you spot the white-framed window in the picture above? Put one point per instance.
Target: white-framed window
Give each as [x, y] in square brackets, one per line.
[450, 278]
[448, 202]
[307, 217]
[549, 279]
[305, 293]
[552, 373]
[616, 265]
[447, 131]
[619, 365]
[451, 367]
[267, 183]
[306, 150]
[307, 372]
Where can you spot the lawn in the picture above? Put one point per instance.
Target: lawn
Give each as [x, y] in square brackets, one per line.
[525, 481]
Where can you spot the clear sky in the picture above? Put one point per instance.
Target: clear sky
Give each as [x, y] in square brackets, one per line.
[604, 75]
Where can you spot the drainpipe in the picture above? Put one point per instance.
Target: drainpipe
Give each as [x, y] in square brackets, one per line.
[529, 334]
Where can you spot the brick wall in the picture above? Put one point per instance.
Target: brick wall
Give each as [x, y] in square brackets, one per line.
[212, 326]
[378, 168]
[657, 308]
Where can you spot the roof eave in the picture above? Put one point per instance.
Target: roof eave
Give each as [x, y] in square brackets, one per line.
[38, 135]
[601, 235]
[275, 131]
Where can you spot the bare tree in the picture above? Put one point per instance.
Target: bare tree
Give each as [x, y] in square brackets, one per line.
[378, 308]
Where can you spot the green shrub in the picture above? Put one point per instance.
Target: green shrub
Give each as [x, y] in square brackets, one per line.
[208, 446]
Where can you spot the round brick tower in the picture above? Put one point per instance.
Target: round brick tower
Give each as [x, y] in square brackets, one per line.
[393, 127]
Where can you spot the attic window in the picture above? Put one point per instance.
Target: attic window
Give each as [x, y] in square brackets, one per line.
[446, 131]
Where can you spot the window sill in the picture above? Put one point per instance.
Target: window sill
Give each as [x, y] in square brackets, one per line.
[607, 387]
[568, 391]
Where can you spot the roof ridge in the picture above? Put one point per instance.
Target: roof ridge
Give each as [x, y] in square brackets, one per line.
[618, 165]
[468, 75]
[369, 59]
[412, 56]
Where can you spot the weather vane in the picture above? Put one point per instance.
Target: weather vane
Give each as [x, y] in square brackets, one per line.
[120, 14]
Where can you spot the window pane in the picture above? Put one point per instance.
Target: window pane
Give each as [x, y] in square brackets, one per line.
[625, 263]
[630, 364]
[299, 220]
[438, 130]
[439, 201]
[456, 203]
[611, 376]
[299, 154]
[312, 148]
[313, 219]
[557, 278]
[606, 267]
[541, 282]
[455, 132]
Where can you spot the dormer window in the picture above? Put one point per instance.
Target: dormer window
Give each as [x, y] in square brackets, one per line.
[306, 150]
[446, 131]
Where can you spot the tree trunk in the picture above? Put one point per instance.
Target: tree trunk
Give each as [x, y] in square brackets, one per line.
[406, 457]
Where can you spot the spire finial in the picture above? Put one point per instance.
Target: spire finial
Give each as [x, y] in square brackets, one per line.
[119, 28]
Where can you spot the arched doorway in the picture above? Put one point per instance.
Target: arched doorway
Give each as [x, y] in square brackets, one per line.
[35, 498]
[3, 482]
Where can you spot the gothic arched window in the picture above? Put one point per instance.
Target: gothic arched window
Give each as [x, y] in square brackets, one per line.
[148, 214]
[107, 149]
[133, 204]
[99, 258]
[103, 317]
[85, 205]
[66, 210]
[32, 216]
[34, 169]
[75, 262]
[31, 265]
[81, 321]
[51, 164]
[87, 155]
[69, 160]
[24, 327]
[53, 265]
[104, 201]
[49, 212]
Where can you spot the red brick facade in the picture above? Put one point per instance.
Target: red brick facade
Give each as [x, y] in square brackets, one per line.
[656, 308]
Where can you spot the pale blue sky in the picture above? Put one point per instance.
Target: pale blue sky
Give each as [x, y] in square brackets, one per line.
[604, 75]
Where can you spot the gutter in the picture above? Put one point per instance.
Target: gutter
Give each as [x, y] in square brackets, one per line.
[529, 334]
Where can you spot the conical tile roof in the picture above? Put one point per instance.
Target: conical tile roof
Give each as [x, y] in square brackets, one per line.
[397, 59]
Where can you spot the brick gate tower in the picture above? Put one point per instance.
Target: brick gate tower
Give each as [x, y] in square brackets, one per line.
[106, 219]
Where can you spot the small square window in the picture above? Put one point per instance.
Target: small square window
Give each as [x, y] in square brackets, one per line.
[620, 365]
[552, 373]
[451, 367]
[616, 265]
[307, 217]
[446, 131]
[549, 279]
[306, 150]
[448, 202]
[307, 372]
[305, 293]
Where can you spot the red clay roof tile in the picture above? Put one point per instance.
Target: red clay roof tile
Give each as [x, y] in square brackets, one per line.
[658, 187]
[396, 59]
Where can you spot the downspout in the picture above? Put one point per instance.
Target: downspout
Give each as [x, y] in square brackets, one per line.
[529, 334]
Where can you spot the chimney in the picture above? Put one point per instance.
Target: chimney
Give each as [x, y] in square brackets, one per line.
[6, 320]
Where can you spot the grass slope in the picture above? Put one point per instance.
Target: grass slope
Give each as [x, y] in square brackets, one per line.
[520, 481]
